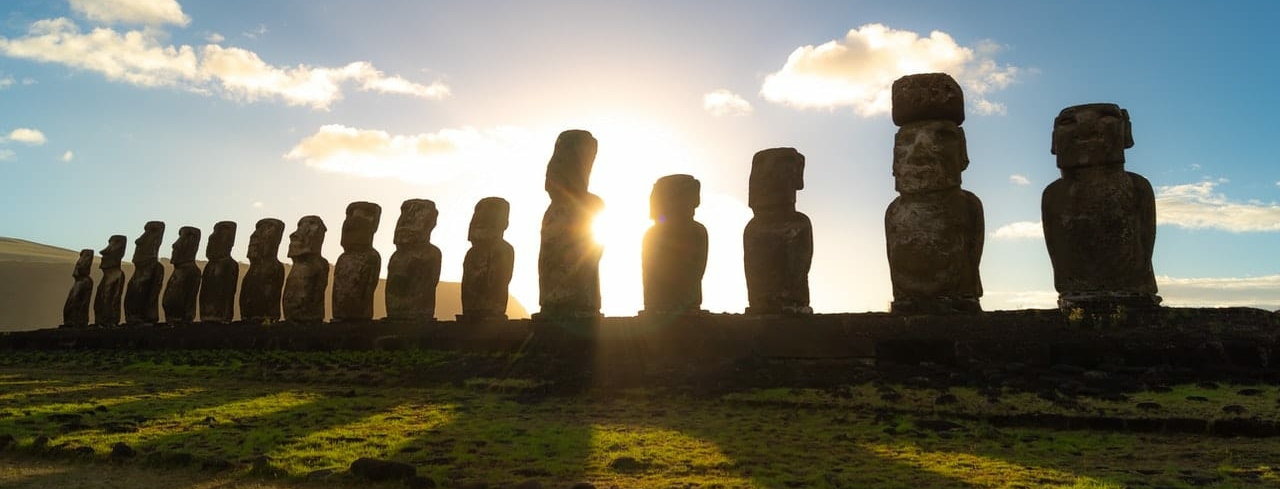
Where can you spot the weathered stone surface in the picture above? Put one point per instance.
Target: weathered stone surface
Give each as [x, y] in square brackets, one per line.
[106, 301]
[674, 254]
[183, 290]
[569, 257]
[487, 268]
[260, 290]
[925, 97]
[414, 268]
[221, 274]
[934, 230]
[777, 244]
[304, 289]
[1099, 220]
[142, 294]
[75, 312]
[355, 275]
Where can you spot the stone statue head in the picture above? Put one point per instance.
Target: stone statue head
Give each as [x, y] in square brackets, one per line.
[147, 247]
[489, 220]
[360, 224]
[417, 220]
[265, 240]
[221, 240]
[929, 156]
[83, 264]
[308, 238]
[674, 197]
[927, 96]
[569, 171]
[114, 252]
[185, 247]
[776, 175]
[1091, 134]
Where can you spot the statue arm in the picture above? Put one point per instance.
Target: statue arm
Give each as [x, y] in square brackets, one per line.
[980, 236]
[1147, 205]
[1049, 211]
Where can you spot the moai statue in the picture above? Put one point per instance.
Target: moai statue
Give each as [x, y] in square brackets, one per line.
[414, 268]
[569, 257]
[182, 292]
[260, 290]
[933, 229]
[1099, 220]
[486, 270]
[303, 297]
[106, 301]
[221, 274]
[142, 295]
[674, 255]
[75, 313]
[355, 276]
[777, 244]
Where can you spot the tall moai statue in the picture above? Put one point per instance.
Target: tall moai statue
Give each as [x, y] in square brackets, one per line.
[260, 290]
[75, 312]
[569, 257]
[1099, 220]
[221, 274]
[355, 276]
[182, 293]
[142, 294]
[777, 244]
[486, 270]
[414, 268]
[106, 301]
[674, 254]
[303, 298]
[933, 229]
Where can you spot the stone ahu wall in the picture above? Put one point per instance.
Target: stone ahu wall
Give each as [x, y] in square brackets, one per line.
[1099, 227]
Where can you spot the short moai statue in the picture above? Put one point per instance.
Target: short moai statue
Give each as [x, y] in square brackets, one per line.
[182, 293]
[569, 257]
[355, 275]
[933, 229]
[260, 289]
[221, 274]
[142, 294]
[414, 268]
[487, 268]
[75, 312]
[674, 253]
[106, 301]
[777, 243]
[304, 289]
[1099, 220]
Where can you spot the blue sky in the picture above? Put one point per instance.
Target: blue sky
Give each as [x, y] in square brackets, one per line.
[115, 112]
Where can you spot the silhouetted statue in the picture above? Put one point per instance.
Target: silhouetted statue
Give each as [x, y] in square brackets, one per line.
[142, 295]
[486, 270]
[1099, 220]
[183, 290]
[414, 268]
[221, 274]
[674, 256]
[777, 244]
[303, 298]
[355, 276]
[75, 313]
[260, 290]
[106, 302]
[934, 229]
[569, 258]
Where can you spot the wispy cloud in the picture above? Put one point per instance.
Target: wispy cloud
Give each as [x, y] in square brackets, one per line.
[1019, 230]
[68, 156]
[422, 158]
[27, 135]
[215, 38]
[6, 154]
[858, 71]
[6, 81]
[1263, 292]
[142, 12]
[1202, 206]
[723, 102]
[1019, 180]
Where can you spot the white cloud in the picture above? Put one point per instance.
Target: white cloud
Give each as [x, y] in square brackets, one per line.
[68, 156]
[1201, 206]
[260, 31]
[26, 135]
[1019, 230]
[1262, 292]
[725, 103]
[258, 205]
[215, 38]
[28, 81]
[858, 71]
[422, 158]
[143, 12]
[6, 154]
[6, 82]
[1019, 180]
[134, 57]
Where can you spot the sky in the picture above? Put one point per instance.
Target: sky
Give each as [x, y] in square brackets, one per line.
[116, 112]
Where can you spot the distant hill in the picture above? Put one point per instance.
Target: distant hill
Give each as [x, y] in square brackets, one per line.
[35, 278]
